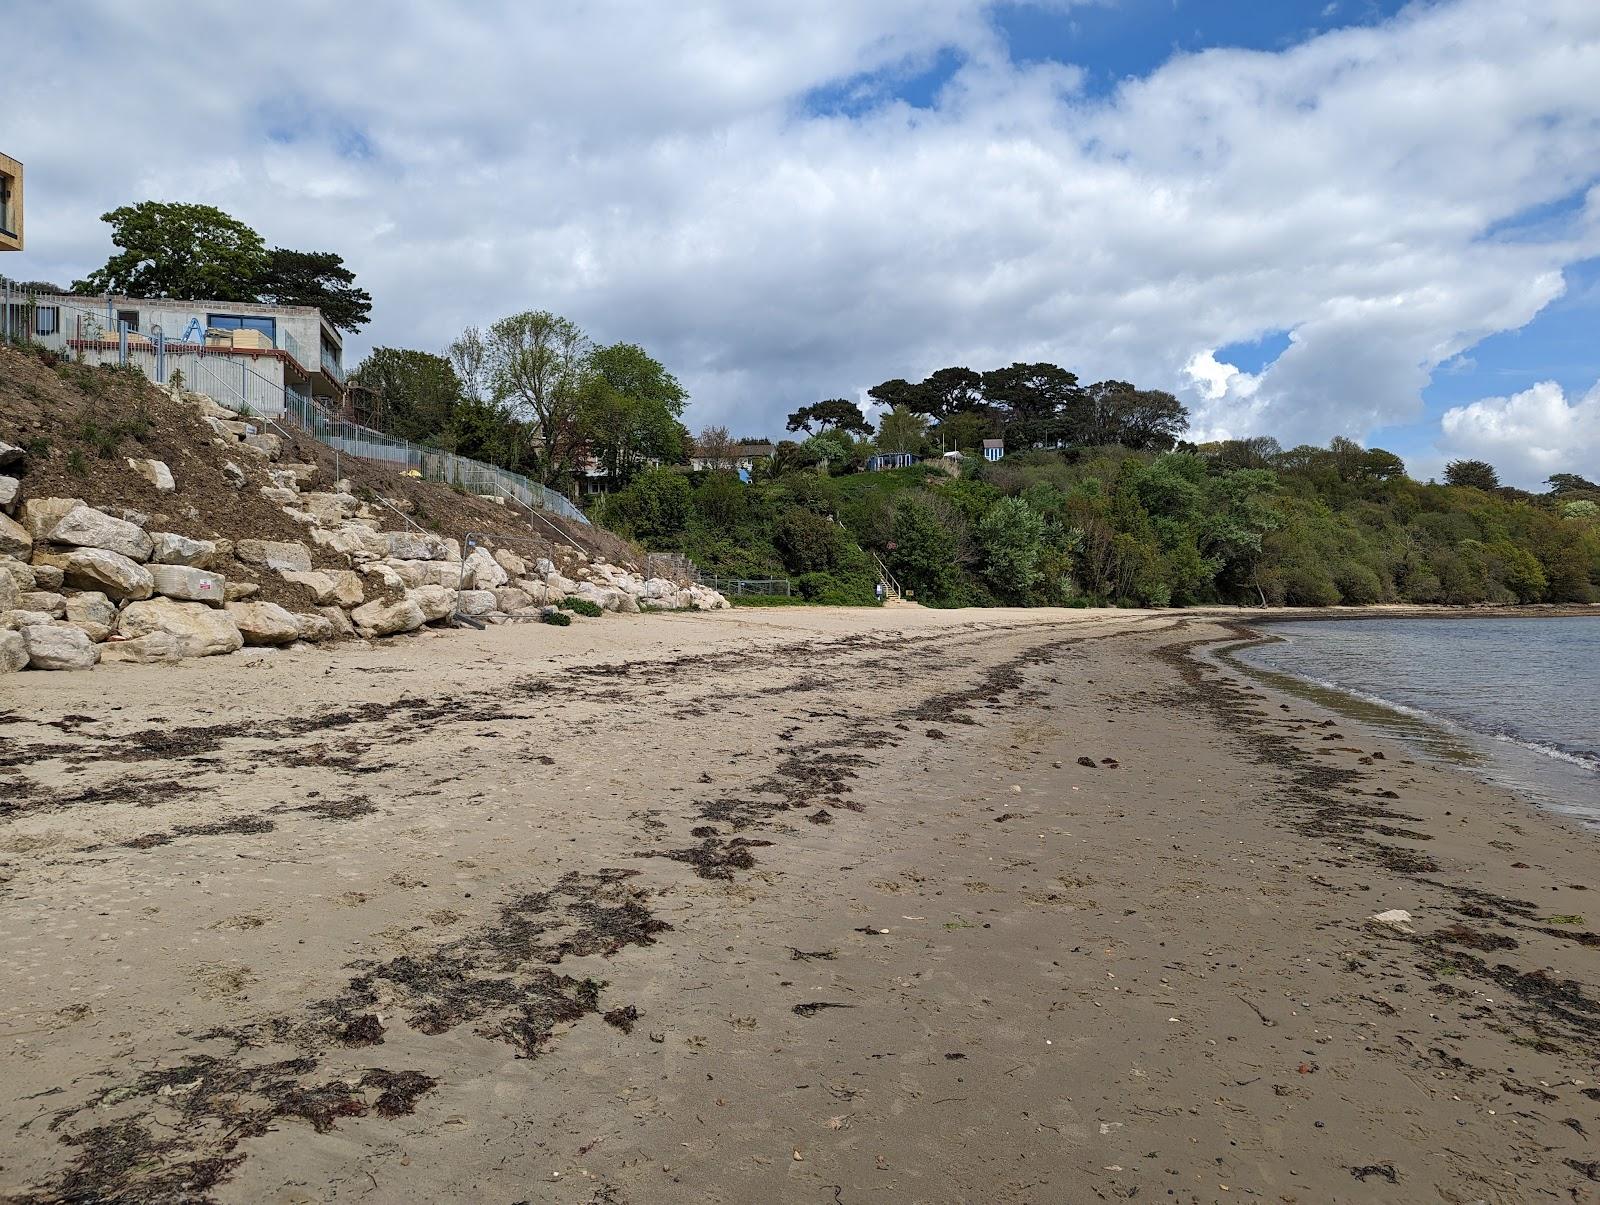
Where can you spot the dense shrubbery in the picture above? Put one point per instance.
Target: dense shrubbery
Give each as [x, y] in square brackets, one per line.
[1233, 523]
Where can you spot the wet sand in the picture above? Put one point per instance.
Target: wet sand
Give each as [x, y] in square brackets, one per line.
[788, 905]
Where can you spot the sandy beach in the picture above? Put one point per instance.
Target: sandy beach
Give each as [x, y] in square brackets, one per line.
[795, 905]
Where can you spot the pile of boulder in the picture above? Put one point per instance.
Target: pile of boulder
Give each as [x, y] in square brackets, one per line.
[80, 584]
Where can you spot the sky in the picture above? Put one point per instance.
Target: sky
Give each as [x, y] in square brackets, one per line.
[1307, 219]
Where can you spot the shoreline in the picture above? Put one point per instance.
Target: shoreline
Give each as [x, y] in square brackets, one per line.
[864, 920]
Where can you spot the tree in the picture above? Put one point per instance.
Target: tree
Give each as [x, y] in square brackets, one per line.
[897, 393]
[183, 251]
[1559, 483]
[1010, 539]
[1479, 474]
[1034, 399]
[716, 447]
[420, 390]
[925, 552]
[318, 279]
[902, 430]
[1114, 412]
[949, 391]
[469, 356]
[630, 411]
[538, 364]
[835, 414]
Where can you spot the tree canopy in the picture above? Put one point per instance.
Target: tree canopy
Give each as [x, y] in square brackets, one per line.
[318, 279]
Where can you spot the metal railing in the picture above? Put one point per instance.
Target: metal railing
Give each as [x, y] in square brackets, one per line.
[765, 586]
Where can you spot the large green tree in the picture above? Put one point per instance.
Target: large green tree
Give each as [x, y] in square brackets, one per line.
[179, 250]
[1479, 474]
[420, 391]
[1034, 399]
[318, 279]
[631, 410]
[539, 365]
[835, 414]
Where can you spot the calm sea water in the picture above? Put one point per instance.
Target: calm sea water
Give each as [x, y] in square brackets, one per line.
[1516, 701]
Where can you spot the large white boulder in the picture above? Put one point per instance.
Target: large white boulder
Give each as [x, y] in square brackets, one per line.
[316, 628]
[111, 573]
[10, 596]
[169, 548]
[435, 601]
[10, 453]
[387, 618]
[269, 447]
[14, 538]
[93, 612]
[264, 623]
[544, 567]
[339, 619]
[476, 602]
[199, 630]
[511, 598]
[384, 575]
[331, 509]
[559, 585]
[10, 488]
[86, 527]
[412, 545]
[40, 515]
[21, 573]
[59, 646]
[16, 620]
[48, 601]
[13, 652]
[341, 587]
[155, 472]
[144, 650]
[188, 584]
[480, 571]
[281, 555]
[510, 562]
[352, 539]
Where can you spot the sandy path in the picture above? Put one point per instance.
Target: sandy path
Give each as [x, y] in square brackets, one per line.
[297, 927]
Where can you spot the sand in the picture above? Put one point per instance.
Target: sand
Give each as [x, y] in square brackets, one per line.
[791, 905]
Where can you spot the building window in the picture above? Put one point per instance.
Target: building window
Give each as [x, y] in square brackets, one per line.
[131, 317]
[236, 322]
[8, 218]
[47, 320]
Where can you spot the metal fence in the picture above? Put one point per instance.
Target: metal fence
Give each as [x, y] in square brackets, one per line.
[233, 382]
[765, 586]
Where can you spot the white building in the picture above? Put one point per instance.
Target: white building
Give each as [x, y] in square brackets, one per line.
[241, 353]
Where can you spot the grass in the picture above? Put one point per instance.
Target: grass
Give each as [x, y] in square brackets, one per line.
[766, 600]
[581, 606]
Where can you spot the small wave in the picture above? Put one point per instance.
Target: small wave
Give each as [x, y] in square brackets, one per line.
[1576, 757]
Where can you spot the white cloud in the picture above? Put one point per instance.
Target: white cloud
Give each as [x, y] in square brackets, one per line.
[1528, 435]
[653, 171]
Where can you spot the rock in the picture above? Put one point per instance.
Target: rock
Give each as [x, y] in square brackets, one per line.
[221, 428]
[284, 480]
[412, 573]
[169, 548]
[18, 619]
[352, 539]
[337, 586]
[452, 549]
[39, 515]
[560, 586]
[331, 508]
[510, 598]
[480, 572]
[189, 584]
[264, 623]
[58, 646]
[605, 597]
[435, 601]
[315, 628]
[144, 650]
[86, 527]
[510, 562]
[476, 602]
[414, 545]
[10, 487]
[48, 577]
[239, 591]
[280, 555]
[385, 619]
[10, 453]
[544, 567]
[14, 538]
[304, 474]
[111, 573]
[91, 607]
[10, 596]
[51, 603]
[628, 604]
[13, 652]
[384, 575]
[342, 626]
[268, 447]
[234, 475]
[21, 574]
[155, 472]
[199, 630]
[278, 496]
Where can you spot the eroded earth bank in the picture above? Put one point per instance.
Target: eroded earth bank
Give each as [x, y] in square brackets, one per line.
[798, 906]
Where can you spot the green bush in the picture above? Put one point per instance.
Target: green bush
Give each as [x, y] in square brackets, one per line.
[581, 606]
[558, 618]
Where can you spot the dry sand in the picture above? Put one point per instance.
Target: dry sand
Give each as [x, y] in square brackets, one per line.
[813, 906]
